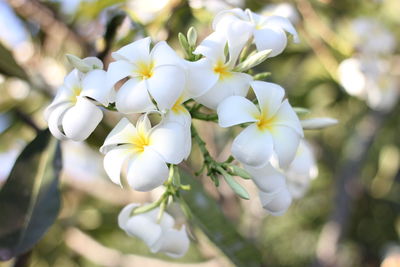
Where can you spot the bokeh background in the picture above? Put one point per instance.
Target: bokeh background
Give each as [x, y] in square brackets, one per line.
[349, 216]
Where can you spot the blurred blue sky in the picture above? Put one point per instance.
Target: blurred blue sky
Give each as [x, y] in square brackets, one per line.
[12, 31]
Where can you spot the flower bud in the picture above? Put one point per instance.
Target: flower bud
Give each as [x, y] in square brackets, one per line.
[318, 123]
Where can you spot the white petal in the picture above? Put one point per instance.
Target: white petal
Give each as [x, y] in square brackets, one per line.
[267, 178]
[278, 203]
[94, 62]
[143, 124]
[123, 133]
[236, 110]
[253, 147]
[63, 96]
[352, 77]
[125, 214]
[270, 38]
[286, 142]
[115, 159]
[188, 144]
[134, 52]
[304, 161]
[201, 77]
[140, 226]
[94, 85]
[212, 47]
[238, 32]
[287, 116]
[181, 116]
[237, 12]
[118, 70]
[283, 23]
[72, 80]
[168, 140]
[318, 123]
[166, 85]
[81, 120]
[302, 169]
[236, 84]
[172, 242]
[55, 120]
[167, 221]
[163, 54]
[133, 97]
[269, 96]
[147, 171]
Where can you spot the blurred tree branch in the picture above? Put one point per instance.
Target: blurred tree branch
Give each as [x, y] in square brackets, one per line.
[348, 186]
[55, 28]
[26, 119]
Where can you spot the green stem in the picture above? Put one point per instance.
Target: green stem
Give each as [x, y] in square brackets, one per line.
[202, 145]
[204, 117]
[196, 114]
[149, 207]
[209, 162]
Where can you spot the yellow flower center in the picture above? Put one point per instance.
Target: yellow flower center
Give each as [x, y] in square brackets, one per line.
[222, 69]
[140, 141]
[76, 91]
[259, 27]
[263, 123]
[178, 107]
[145, 70]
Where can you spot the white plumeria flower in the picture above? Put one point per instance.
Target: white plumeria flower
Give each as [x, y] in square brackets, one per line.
[215, 6]
[370, 79]
[214, 74]
[273, 190]
[286, 10]
[301, 171]
[158, 236]
[73, 114]
[275, 127]
[158, 74]
[373, 37]
[351, 77]
[145, 149]
[269, 32]
[147, 11]
[277, 187]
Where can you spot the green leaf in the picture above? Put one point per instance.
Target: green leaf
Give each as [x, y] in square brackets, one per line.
[30, 199]
[8, 65]
[207, 215]
[236, 187]
[253, 60]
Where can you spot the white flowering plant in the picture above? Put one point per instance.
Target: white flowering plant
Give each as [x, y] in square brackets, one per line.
[211, 83]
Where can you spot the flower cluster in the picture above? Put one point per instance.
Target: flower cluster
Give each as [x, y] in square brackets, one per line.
[371, 74]
[216, 74]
